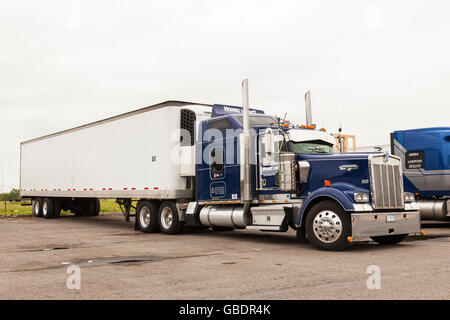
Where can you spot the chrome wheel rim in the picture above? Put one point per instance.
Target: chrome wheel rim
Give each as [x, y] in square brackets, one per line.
[36, 208]
[45, 208]
[144, 217]
[327, 226]
[166, 218]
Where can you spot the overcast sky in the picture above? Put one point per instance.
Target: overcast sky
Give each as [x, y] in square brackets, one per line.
[374, 66]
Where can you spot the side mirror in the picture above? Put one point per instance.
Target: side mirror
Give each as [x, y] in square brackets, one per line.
[269, 146]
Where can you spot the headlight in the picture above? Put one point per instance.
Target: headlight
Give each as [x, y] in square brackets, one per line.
[409, 197]
[361, 197]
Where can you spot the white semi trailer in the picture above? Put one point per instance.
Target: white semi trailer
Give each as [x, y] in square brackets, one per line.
[130, 156]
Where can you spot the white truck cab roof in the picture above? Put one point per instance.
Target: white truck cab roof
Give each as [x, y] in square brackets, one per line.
[300, 134]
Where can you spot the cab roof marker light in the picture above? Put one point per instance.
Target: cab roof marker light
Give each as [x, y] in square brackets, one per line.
[308, 127]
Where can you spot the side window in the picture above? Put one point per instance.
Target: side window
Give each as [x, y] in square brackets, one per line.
[217, 163]
[222, 124]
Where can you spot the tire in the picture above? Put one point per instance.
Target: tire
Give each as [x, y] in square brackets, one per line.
[333, 236]
[48, 208]
[84, 208]
[89, 208]
[168, 219]
[393, 239]
[147, 216]
[36, 208]
[96, 207]
[57, 205]
[78, 208]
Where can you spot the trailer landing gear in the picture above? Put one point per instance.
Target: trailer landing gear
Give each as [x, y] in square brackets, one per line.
[125, 206]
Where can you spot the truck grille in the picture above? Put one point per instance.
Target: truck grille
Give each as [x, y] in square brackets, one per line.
[387, 183]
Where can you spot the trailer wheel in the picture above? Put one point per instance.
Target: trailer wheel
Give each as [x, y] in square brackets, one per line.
[57, 207]
[328, 226]
[37, 207]
[96, 207]
[84, 208]
[89, 207]
[169, 222]
[147, 216]
[48, 208]
[392, 239]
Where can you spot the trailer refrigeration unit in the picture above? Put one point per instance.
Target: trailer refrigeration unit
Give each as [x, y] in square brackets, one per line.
[425, 156]
[223, 167]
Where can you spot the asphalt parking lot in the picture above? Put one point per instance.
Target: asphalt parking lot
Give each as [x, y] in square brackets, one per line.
[116, 262]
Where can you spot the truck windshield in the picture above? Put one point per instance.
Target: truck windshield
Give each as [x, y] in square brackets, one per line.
[310, 147]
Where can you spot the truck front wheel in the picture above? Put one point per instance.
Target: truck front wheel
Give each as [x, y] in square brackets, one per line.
[328, 226]
[147, 216]
[393, 239]
[169, 222]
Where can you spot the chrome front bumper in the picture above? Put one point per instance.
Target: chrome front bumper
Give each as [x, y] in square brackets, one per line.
[384, 223]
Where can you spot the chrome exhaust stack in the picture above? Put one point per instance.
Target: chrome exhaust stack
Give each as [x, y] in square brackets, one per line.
[246, 172]
[308, 108]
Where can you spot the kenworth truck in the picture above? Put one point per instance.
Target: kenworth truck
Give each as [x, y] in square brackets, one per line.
[222, 167]
[425, 156]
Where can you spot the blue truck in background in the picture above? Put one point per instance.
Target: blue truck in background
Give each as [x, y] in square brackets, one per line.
[425, 156]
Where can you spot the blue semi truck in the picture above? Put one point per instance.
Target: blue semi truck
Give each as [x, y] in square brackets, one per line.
[425, 156]
[289, 176]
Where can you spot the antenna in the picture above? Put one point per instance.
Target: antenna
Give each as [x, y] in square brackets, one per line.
[341, 140]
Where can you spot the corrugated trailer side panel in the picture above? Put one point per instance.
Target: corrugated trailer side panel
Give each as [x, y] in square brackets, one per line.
[127, 157]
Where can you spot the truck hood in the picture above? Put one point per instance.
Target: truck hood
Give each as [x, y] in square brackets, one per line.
[348, 172]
